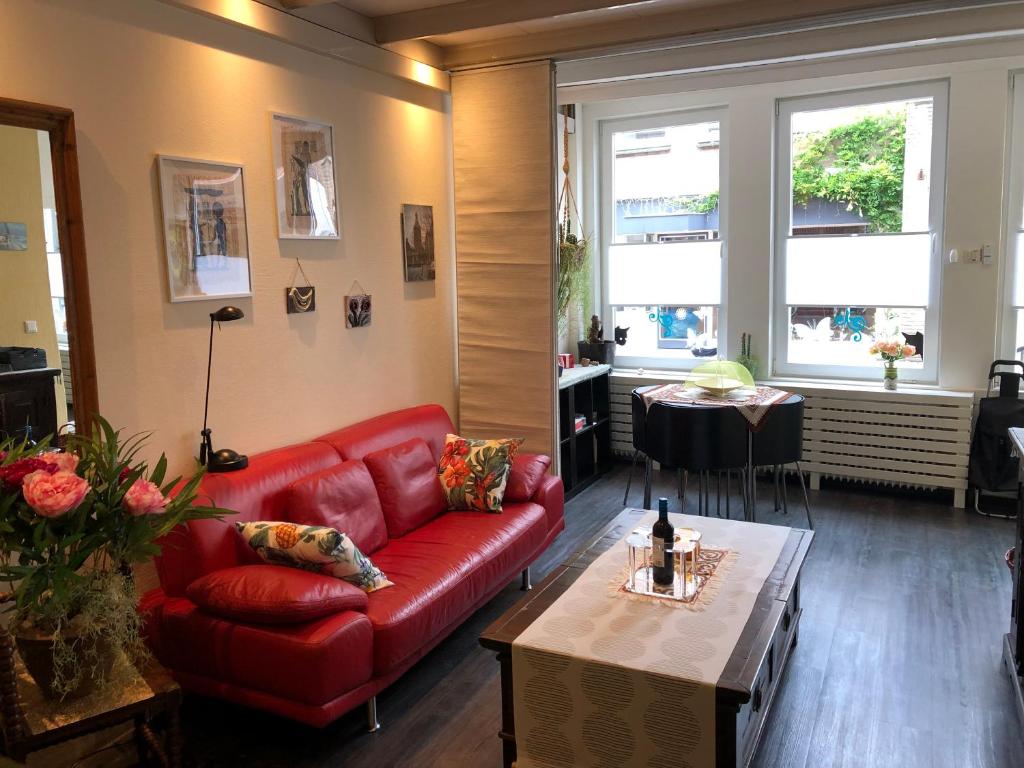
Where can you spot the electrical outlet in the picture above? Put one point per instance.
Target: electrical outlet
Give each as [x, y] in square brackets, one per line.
[973, 256]
[31, 326]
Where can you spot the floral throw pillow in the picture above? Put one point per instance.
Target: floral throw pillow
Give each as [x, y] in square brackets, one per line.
[473, 473]
[313, 548]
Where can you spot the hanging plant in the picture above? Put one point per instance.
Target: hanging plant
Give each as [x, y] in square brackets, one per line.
[574, 283]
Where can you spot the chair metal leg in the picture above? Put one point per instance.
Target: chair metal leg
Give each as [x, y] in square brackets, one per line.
[718, 500]
[527, 584]
[707, 494]
[648, 472]
[785, 499]
[728, 492]
[807, 503]
[684, 481]
[372, 723]
[775, 481]
[629, 480]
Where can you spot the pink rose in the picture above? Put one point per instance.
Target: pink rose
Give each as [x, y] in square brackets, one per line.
[909, 350]
[144, 498]
[65, 462]
[52, 495]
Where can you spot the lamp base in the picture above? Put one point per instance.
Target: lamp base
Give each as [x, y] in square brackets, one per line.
[226, 460]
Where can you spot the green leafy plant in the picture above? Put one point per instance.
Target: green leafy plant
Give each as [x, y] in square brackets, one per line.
[573, 273]
[859, 164]
[746, 357]
[72, 524]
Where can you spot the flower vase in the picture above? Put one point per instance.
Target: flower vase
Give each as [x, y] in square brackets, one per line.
[94, 657]
[889, 378]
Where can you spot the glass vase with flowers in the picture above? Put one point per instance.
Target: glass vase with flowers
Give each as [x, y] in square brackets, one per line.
[891, 352]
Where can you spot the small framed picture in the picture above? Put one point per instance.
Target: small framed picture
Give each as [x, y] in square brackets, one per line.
[418, 242]
[307, 201]
[205, 232]
[357, 310]
[13, 236]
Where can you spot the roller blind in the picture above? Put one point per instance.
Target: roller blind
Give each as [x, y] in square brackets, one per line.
[873, 271]
[666, 274]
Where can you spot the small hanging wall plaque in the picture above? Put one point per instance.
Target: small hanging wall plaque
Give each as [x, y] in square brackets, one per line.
[358, 306]
[300, 299]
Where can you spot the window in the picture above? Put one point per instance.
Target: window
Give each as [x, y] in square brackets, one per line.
[662, 236]
[1013, 321]
[858, 227]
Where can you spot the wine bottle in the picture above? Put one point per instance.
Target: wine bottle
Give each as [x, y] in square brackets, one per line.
[662, 539]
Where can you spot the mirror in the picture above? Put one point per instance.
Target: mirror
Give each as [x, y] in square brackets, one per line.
[47, 370]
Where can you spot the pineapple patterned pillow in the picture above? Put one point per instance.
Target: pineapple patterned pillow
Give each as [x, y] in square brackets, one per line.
[313, 548]
[473, 473]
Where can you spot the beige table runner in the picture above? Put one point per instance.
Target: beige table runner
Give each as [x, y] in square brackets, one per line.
[603, 681]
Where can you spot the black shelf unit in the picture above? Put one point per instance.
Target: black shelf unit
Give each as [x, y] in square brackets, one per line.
[585, 453]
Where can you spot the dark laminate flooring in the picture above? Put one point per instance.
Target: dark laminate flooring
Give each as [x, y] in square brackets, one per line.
[905, 603]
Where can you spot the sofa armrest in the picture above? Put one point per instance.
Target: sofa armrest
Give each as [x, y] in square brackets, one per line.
[527, 474]
[551, 496]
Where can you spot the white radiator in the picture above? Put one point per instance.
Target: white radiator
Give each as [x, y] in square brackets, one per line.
[916, 438]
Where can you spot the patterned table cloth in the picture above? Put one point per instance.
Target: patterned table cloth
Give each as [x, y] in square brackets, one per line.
[754, 403]
[601, 680]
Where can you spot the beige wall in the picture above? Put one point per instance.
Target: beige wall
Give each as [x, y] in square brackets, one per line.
[23, 274]
[147, 78]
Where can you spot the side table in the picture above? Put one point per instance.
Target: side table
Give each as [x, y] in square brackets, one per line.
[30, 722]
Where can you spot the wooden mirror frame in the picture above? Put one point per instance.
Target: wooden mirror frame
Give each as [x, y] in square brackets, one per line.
[59, 123]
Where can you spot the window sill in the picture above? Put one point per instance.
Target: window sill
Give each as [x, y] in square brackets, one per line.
[649, 376]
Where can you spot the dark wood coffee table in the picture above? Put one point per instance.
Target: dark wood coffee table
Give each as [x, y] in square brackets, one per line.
[747, 687]
[30, 722]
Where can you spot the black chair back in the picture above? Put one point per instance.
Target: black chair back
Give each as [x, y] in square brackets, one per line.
[781, 437]
[694, 438]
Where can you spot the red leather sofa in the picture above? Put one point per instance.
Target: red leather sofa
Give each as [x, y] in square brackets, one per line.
[268, 651]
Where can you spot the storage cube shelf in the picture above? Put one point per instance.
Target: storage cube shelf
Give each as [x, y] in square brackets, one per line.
[585, 452]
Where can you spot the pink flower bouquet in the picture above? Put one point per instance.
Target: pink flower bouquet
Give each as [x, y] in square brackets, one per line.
[72, 523]
[891, 351]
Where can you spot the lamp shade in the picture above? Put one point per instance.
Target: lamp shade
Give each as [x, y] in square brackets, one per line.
[227, 314]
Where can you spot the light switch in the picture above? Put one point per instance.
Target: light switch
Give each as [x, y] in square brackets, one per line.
[987, 253]
[31, 326]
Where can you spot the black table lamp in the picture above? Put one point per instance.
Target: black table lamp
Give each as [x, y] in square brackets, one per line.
[224, 460]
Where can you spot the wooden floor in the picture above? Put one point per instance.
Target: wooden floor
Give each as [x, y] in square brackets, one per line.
[905, 604]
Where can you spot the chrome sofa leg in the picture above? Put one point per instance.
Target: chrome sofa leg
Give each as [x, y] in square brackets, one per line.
[527, 584]
[372, 723]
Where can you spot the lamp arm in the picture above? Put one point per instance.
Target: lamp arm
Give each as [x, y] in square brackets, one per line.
[209, 366]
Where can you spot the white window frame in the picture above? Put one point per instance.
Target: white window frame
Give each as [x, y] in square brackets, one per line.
[939, 93]
[1014, 214]
[606, 215]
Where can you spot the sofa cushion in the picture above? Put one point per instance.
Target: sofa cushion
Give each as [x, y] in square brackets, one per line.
[473, 473]
[312, 663]
[528, 470]
[271, 594]
[341, 497]
[442, 571]
[313, 548]
[406, 479]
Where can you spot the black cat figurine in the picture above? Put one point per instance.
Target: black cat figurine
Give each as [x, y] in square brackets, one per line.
[620, 335]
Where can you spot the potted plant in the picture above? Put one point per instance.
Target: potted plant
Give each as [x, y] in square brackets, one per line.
[72, 524]
[891, 352]
[596, 347]
[746, 358]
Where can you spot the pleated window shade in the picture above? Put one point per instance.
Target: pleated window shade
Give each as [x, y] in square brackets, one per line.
[503, 136]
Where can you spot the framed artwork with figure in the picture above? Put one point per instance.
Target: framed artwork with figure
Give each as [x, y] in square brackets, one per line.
[305, 190]
[205, 234]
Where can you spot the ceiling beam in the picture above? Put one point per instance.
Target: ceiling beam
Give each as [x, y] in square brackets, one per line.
[698, 24]
[291, 5]
[476, 14]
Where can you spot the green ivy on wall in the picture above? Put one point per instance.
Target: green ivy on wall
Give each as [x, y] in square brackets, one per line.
[860, 164]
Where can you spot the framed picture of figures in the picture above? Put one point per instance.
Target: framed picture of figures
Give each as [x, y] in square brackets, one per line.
[307, 200]
[204, 229]
[418, 242]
